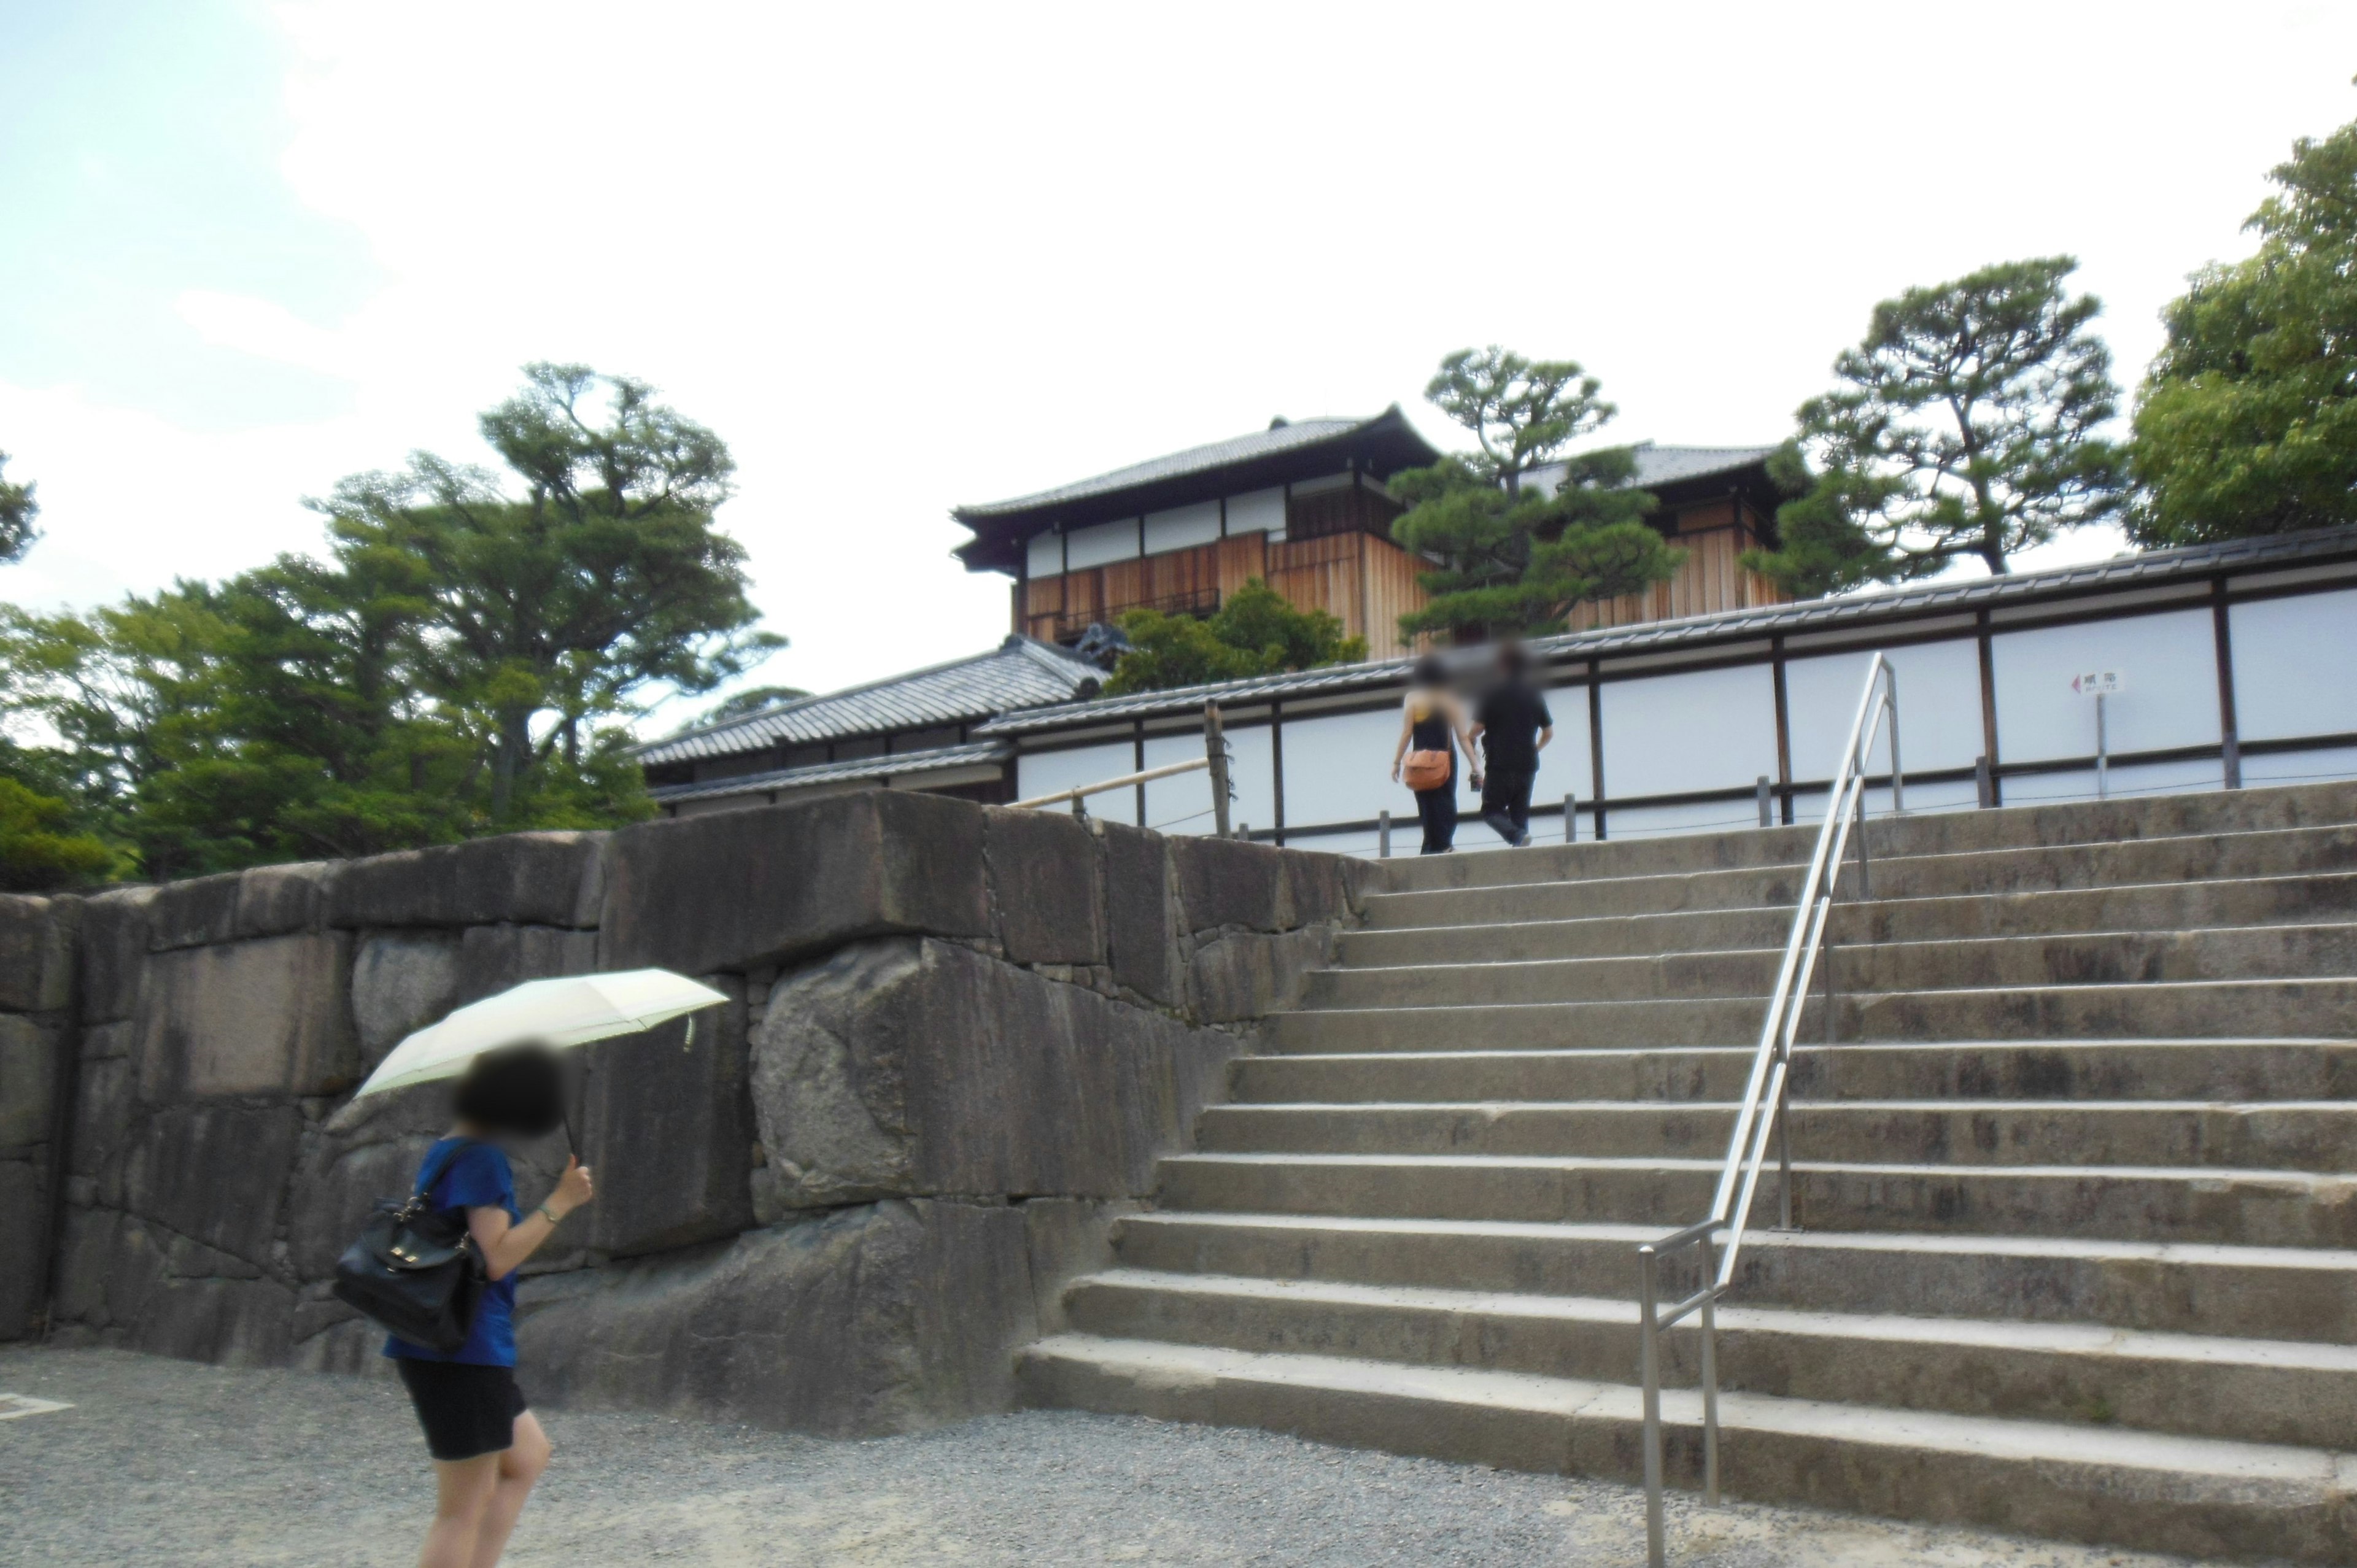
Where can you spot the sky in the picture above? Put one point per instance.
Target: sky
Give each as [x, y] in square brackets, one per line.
[902, 257]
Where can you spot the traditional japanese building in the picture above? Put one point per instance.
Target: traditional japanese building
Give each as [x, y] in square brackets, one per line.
[1303, 506]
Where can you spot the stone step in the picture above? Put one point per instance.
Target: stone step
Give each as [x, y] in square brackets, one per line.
[2244, 1208]
[1921, 833]
[2213, 857]
[2240, 952]
[2310, 1135]
[2265, 1293]
[2252, 1390]
[2225, 1069]
[2158, 907]
[2202, 1496]
[2169, 1009]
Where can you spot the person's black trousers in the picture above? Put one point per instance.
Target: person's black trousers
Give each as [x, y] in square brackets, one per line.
[1506, 801]
[1436, 809]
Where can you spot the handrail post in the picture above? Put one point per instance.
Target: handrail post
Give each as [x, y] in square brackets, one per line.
[1897, 773]
[1649, 1355]
[1864, 872]
[1784, 1137]
[1709, 1379]
[1215, 749]
[1383, 834]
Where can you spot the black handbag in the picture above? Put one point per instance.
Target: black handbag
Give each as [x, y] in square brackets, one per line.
[414, 1270]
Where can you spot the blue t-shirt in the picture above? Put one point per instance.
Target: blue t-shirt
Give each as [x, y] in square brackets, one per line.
[476, 1177]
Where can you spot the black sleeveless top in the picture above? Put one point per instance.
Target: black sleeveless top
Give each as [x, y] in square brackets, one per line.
[1430, 733]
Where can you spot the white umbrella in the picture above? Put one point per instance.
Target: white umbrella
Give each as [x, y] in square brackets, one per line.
[571, 1010]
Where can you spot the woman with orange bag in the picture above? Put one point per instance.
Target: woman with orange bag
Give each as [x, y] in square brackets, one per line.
[1432, 729]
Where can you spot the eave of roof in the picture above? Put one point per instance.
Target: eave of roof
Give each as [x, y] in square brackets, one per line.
[1729, 625]
[901, 766]
[1257, 460]
[1018, 673]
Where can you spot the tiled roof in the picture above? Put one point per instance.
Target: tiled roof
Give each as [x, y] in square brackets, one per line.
[1659, 464]
[1203, 460]
[2152, 567]
[894, 767]
[1020, 673]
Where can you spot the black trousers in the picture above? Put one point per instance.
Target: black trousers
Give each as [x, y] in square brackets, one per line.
[1506, 801]
[1437, 810]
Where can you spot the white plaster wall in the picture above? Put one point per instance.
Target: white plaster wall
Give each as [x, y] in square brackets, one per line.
[1709, 729]
[1182, 527]
[2295, 666]
[1044, 772]
[1100, 542]
[1045, 554]
[2171, 700]
[1257, 512]
[1938, 707]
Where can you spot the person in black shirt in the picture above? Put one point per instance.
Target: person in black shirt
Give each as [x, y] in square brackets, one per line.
[1512, 726]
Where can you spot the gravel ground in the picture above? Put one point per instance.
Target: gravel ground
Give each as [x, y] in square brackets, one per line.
[170, 1462]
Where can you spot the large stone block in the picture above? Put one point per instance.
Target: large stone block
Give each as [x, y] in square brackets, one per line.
[265, 901]
[917, 1066]
[113, 947]
[543, 879]
[873, 1319]
[268, 1016]
[667, 1123]
[1248, 974]
[194, 912]
[105, 1109]
[493, 958]
[1227, 882]
[28, 1081]
[23, 1214]
[1141, 917]
[274, 900]
[734, 889]
[215, 1173]
[1321, 887]
[1045, 886]
[1068, 1237]
[36, 953]
[402, 980]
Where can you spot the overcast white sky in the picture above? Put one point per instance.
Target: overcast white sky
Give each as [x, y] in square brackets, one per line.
[905, 256]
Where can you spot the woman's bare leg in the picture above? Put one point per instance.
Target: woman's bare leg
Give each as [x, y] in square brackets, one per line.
[519, 1467]
[463, 1490]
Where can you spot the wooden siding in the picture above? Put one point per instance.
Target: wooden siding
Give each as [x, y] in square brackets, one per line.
[1711, 579]
[1366, 582]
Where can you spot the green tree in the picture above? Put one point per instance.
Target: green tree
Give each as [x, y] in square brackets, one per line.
[1966, 424]
[2247, 419]
[1512, 558]
[39, 850]
[552, 611]
[17, 510]
[457, 663]
[1256, 632]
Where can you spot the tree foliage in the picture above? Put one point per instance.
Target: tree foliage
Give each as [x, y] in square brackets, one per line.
[1966, 424]
[1513, 558]
[457, 663]
[1256, 632]
[2247, 419]
[17, 510]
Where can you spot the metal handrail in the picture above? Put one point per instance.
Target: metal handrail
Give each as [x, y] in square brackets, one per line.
[1765, 1108]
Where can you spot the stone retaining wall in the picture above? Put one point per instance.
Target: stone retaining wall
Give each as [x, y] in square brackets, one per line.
[957, 1039]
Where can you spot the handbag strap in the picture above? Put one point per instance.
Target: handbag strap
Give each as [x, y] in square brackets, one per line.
[433, 1172]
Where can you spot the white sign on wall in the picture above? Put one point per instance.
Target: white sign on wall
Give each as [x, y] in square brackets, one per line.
[2099, 683]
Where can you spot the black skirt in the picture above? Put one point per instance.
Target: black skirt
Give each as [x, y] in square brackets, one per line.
[467, 1411]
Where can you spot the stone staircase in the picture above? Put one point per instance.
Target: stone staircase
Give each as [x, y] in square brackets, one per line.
[2078, 1187]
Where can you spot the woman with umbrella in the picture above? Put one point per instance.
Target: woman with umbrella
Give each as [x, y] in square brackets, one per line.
[488, 1448]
